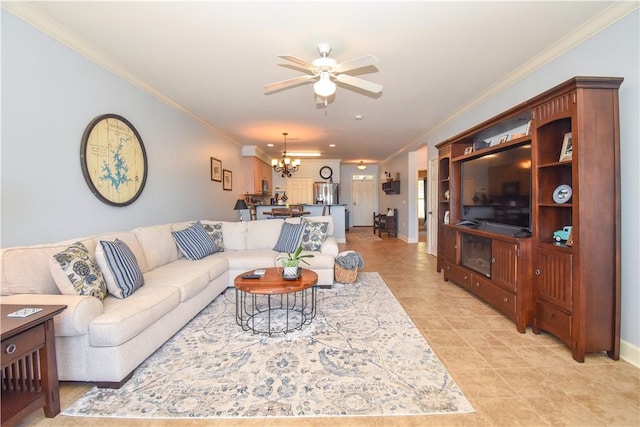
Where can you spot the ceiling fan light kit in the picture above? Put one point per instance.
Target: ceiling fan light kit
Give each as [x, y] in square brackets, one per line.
[325, 72]
[324, 87]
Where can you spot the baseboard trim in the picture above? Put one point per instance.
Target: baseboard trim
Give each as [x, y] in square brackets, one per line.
[630, 353]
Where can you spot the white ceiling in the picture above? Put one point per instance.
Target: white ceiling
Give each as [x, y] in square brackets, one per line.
[213, 58]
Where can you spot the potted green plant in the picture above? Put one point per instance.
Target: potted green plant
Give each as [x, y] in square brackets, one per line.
[291, 262]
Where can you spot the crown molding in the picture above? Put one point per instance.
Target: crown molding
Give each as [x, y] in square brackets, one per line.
[604, 19]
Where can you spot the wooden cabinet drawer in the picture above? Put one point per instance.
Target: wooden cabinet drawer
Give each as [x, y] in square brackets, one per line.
[15, 347]
[501, 299]
[456, 274]
[554, 320]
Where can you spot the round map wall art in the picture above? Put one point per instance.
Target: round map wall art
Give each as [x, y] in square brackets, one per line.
[113, 160]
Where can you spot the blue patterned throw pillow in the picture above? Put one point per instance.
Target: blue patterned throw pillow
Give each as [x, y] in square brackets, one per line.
[215, 232]
[119, 267]
[290, 235]
[194, 242]
[314, 235]
[76, 272]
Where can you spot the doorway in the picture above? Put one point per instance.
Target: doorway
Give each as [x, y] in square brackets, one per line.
[422, 205]
[362, 198]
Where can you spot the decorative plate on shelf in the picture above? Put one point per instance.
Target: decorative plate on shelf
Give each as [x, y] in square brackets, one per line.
[562, 193]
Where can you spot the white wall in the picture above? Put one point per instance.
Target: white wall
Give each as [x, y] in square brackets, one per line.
[49, 95]
[612, 52]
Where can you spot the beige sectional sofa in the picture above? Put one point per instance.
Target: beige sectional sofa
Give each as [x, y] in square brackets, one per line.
[104, 341]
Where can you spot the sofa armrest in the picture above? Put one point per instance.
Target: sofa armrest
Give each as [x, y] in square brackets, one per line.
[330, 246]
[73, 321]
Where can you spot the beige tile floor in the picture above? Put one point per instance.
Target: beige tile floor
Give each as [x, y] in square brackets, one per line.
[511, 379]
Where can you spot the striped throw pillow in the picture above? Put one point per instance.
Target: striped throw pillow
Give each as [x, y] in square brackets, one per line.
[290, 235]
[194, 242]
[119, 267]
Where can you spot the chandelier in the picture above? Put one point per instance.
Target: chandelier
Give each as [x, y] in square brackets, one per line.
[285, 166]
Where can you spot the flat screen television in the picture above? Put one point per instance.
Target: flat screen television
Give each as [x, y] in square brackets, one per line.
[496, 188]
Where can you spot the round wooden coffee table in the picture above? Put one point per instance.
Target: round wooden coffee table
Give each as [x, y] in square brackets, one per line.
[272, 304]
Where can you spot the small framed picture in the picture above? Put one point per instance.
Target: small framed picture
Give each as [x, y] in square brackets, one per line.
[468, 150]
[503, 138]
[216, 170]
[567, 148]
[226, 179]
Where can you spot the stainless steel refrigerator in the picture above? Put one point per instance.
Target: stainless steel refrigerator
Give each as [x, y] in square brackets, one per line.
[325, 193]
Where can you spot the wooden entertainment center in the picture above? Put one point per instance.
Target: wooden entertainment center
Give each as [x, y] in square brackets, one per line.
[567, 286]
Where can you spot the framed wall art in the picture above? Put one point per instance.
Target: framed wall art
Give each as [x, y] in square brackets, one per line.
[226, 179]
[567, 148]
[216, 170]
[113, 160]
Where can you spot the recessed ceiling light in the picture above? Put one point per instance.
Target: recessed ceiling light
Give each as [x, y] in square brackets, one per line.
[332, 145]
[269, 145]
[358, 117]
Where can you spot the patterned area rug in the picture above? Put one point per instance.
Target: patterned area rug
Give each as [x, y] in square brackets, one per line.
[361, 355]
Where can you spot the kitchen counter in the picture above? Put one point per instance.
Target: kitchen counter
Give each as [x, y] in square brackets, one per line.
[336, 211]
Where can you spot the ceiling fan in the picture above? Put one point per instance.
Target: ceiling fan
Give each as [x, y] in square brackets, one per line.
[325, 72]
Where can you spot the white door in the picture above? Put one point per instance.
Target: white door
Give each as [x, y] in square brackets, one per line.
[362, 191]
[300, 191]
[432, 210]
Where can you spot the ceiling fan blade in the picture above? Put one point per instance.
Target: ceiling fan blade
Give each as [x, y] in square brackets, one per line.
[301, 62]
[359, 83]
[288, 83]
[363, 61]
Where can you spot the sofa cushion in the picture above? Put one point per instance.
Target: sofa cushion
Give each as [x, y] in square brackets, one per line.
[319, 261]
[215, 233]
[123, 319]
[189, 280]
[263, 233]
[119, 267]
[215, 264]
[194, 242]
[158, 244]
[76, 272]
[26, 270]
[289, 239]
[314, 235]
[251, 259]
[234, 234]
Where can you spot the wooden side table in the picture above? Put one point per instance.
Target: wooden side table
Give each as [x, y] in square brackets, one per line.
[29, 370]
[259, 302]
